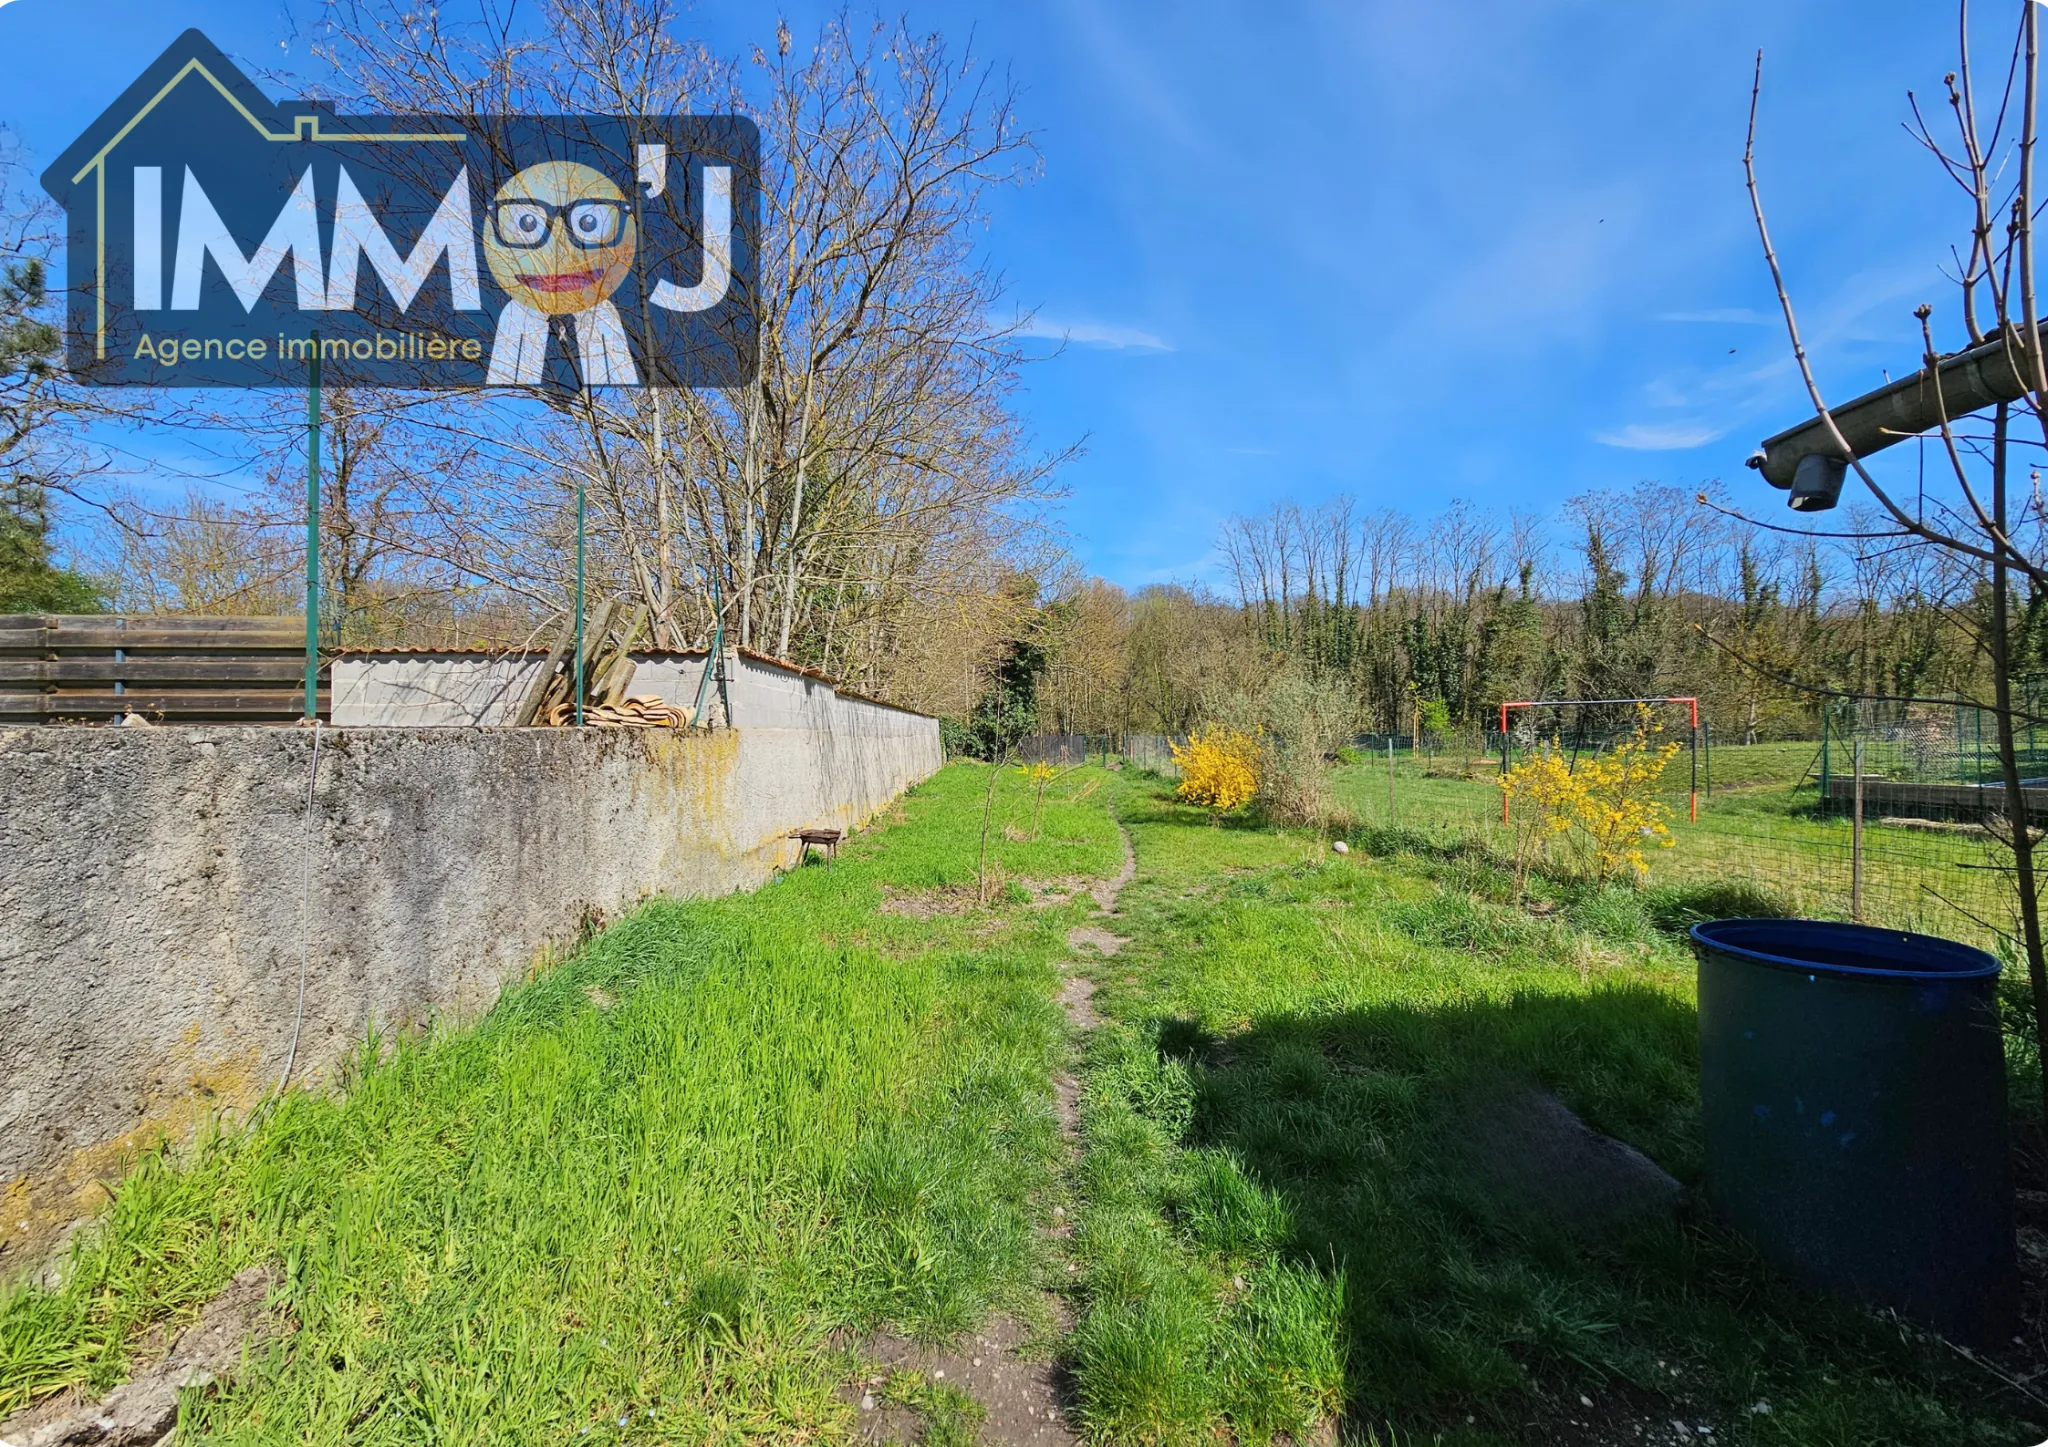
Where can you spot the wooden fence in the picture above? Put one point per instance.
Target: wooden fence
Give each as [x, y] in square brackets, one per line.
[166, 669]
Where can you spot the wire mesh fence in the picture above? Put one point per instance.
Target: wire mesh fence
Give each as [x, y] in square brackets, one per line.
[1065, 750]
[1772, 821]
[1153, 751]
[1778, 818]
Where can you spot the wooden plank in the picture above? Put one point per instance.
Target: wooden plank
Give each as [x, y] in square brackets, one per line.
[104, 635]
[537, 695]
[179, 625]
[269, 704]
[201, 621]
[188, 622]
[217, 668]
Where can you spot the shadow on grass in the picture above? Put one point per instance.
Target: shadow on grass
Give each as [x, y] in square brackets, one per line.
[1344, 1144]
[1616, 910]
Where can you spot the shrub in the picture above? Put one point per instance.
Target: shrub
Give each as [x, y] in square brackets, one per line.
[1219, 767]
[1037, 776]
[958, 739]
[1607, 807]
[1618, 813]
[1304, 718]
[1542, 797]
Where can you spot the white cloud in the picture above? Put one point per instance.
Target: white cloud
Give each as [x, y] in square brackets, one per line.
[1095, 334]
[1660, 437]
[1731, 315]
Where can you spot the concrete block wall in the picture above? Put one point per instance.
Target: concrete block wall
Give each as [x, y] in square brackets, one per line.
[158, 887]
[460, 689]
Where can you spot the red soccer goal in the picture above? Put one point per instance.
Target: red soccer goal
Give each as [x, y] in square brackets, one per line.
[1692, 704]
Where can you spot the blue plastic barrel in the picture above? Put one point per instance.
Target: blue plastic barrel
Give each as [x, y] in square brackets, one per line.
[1853, 1094]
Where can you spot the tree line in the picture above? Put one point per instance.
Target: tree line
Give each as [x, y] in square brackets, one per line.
[1649, 591]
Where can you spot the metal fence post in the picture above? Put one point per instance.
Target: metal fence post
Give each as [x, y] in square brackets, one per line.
[1825, 730]
[1856, 841]
[1390, 781]
[313, 531]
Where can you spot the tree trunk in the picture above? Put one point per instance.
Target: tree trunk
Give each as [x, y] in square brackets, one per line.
[2008, 757]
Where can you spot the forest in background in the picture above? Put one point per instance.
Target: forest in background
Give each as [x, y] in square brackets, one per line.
[1649, 591]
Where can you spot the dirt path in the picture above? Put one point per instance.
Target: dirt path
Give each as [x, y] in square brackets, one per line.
[1027, 1400]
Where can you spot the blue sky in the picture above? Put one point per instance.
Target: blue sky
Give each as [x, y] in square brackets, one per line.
[1412, 251]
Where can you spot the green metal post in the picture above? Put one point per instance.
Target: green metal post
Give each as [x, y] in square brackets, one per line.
[579, 602]
[1824, 731]
[313, 531]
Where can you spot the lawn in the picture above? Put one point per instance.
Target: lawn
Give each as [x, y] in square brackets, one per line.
[1757, 824]
[636, 1200]
[1281, 1218]
[655, 1193]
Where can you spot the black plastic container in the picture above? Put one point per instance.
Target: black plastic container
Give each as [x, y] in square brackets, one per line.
[1852, 1088]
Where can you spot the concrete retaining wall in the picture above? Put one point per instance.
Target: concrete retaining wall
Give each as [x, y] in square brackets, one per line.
[157, 887]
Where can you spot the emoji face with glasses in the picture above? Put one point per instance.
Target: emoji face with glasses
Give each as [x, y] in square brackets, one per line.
[559, 237]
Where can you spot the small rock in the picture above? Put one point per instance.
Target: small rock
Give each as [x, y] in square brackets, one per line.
[1341, 847]
[1584, 1400]
[939, 1374]
[1761, 1409]
[867, 1401]
[977, 1361]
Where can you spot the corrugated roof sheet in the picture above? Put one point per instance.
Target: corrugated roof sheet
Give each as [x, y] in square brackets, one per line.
[411, 649]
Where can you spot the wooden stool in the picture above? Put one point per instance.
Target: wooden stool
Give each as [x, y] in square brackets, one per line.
[828, 837]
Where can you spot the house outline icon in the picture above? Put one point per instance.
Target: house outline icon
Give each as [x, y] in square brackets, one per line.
[190, 55]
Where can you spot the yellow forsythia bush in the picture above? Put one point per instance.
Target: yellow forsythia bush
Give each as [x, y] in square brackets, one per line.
[1542, 797]
[1219, 767]
[1607, 808]
[1618, 811]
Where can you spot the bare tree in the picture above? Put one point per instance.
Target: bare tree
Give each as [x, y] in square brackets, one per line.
[45, 417]
[1976, 519]
[875, 461]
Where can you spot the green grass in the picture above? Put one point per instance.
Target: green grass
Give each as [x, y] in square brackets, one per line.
[1274, 1224]
[948, 1416]
[652, 1194]
[1755, 828]
[637, 1198]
